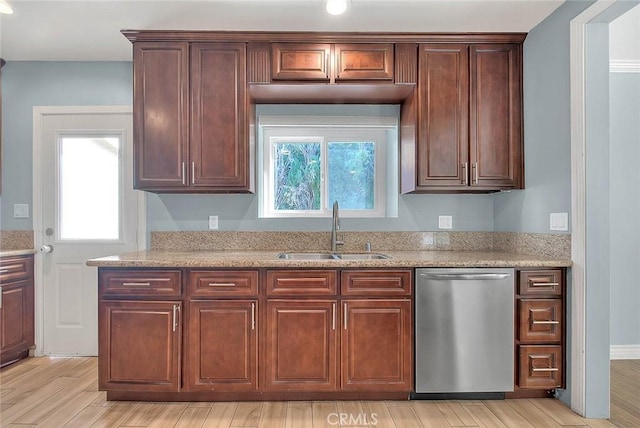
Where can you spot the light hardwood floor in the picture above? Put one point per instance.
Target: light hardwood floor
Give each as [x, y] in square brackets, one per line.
[625, 393]
[62, 392]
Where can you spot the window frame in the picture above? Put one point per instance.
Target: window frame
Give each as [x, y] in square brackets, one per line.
[325, 130]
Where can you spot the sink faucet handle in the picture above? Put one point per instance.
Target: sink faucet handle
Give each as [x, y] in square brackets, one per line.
[367, 247]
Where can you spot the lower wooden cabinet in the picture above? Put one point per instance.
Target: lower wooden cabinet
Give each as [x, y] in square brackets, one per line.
[210, 334]
[222, 346]
[376, 345]
[301, 345]
[16, 308]
[140, 345]
[540, 330]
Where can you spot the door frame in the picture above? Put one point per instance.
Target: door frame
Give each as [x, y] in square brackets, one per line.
[602, 11]
[39, 113]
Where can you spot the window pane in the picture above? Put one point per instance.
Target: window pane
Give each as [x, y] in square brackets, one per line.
[352, 175]
[89, 192]
[297, 176]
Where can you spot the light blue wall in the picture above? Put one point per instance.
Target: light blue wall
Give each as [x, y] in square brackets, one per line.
[240, 212]
[625, 207]
[29, 84]
[547, 132]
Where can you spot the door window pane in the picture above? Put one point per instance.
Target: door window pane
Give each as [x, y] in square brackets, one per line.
[89, 188]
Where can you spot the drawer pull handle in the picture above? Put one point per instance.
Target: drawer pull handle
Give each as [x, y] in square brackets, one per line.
[136, 284]
[222, 284]
[545, 322]
[9, 268]
[545, 284]
[547, 369]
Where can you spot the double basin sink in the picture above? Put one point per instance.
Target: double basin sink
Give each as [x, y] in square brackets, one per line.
[332, 256]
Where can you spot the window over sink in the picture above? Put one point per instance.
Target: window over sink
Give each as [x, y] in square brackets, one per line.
[312, 155]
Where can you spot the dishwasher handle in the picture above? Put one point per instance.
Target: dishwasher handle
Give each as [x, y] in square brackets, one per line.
[466, 276]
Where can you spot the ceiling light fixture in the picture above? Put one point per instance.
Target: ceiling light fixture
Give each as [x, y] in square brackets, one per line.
[334, 7]
[5, 7]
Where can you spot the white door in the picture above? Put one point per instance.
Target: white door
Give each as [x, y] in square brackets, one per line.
[85, 207]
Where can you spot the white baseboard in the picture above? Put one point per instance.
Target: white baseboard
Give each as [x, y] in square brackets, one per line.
[625, 352]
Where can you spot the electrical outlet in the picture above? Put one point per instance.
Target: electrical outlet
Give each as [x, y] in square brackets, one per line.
[213, 222]
[559, 221]
[445, 222]
[20, 210]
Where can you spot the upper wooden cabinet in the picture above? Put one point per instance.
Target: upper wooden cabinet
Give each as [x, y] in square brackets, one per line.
[190, 122]
[327, 62]
[195, 93]
[160, 115]
[469, 116]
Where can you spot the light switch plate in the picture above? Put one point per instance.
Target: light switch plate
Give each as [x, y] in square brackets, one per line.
[213, 222]
[20, 210]
[445, 222]
[559, 221]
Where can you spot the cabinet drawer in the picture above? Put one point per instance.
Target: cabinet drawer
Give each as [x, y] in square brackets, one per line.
[376, 282]
[540, 320]
[220, 283]
[540, 367]
[301, 282]
[140, 282]
[15, 268]
[364, 61]
[540, 282]
[296, 61]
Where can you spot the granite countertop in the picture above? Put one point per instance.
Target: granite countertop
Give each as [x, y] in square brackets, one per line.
[257, 259]
[23, 252]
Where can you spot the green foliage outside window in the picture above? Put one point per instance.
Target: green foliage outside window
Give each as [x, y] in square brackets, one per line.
[297, 173]
[351, 175]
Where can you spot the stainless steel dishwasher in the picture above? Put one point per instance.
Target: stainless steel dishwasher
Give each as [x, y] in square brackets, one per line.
[464, 322]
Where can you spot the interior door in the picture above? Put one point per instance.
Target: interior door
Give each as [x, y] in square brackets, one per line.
[88, 209]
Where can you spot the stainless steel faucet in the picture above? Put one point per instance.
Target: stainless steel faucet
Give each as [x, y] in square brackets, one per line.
[335, 227]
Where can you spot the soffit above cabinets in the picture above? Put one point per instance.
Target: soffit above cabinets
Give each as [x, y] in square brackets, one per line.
[89, 30]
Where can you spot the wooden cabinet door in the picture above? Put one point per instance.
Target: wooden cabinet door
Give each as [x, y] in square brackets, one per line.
[219, 142]
[443, 111]
[301, 345]
[364, 61]
[222, 346]
[299, 61]
[376, 345]
[161, 115]
[16, 320]
[139, 345]
[496, 152]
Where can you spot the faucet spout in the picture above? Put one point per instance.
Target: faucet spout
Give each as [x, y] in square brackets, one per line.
[335, 227]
